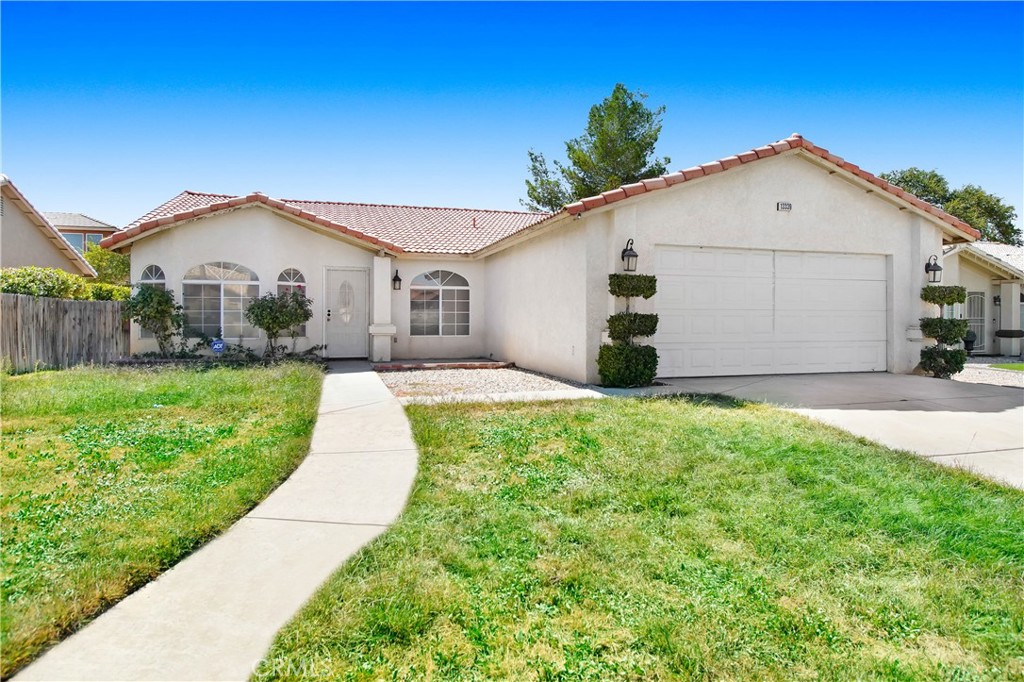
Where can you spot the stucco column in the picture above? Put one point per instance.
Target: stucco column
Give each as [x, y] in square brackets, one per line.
[381, 330]
[1009, 316]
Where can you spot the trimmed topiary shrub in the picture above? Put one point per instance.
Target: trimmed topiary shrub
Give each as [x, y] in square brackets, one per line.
[46, 282]
[943, 362]
[98, 291]
[943, 295]
[624, 326]
[626, 366]
[949, 332]
[628, 285]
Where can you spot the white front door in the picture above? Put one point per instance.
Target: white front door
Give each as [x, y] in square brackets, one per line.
[744, 311]
[346, 321]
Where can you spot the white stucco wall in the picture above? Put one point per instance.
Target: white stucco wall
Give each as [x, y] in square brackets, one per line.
[259, 239]
[425, 347]
[975, 278]
[736, 209]
[22, 243]
[537, 303]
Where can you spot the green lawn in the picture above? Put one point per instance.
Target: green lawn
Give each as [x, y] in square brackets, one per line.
[112, 476]
[670, 539]
[1019, 366]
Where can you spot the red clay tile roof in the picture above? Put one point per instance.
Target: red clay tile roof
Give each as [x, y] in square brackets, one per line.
[416, 229]
[794, 141]
[422, 229]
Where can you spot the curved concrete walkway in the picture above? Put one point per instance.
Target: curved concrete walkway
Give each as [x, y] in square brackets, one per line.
[215, 614]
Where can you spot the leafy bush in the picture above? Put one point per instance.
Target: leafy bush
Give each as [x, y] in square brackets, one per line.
[276, 314]
[949, 332]
[623, 366]
[623, 327]
[628, 285]
[155, 310]
[943, 295]
[110, 267]
[943, 362]
[46, 282]
[99, 291]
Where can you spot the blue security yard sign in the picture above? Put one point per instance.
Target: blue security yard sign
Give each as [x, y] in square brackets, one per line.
[217, 346]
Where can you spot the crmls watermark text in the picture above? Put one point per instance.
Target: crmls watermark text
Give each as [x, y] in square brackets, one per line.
[303, 668]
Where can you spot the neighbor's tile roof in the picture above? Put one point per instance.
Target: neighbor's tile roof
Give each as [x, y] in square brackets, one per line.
[1007, 253]
[62, 219]
[794, 141]
[416, 229]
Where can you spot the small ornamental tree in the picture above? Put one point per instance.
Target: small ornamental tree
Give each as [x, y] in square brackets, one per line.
[277, 314]
[624, 363]
[941, 361]
[110, 267]
[156, 311]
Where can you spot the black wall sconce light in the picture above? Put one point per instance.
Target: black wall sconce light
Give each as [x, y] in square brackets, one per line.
[933, 270]
[396, 282]
[629, 257]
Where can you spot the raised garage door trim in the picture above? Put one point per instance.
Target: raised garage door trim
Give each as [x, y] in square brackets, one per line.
[742, 311]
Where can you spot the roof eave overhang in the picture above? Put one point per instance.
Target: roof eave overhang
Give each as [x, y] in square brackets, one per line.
[1005, 271]
[48, 230]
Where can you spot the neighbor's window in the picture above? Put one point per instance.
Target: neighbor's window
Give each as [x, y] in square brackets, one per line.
[439, 304]
[93, 238]
[153, 275]
[76, 240]
[288, 281]
[216, 296]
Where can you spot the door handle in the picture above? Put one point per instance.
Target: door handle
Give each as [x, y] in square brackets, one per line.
[328, 314]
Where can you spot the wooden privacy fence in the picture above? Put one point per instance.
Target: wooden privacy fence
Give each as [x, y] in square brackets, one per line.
[40, 333]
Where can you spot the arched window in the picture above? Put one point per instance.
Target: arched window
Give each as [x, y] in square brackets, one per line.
[215, 297]
[152, 275]
[288, 281]
[439, 304]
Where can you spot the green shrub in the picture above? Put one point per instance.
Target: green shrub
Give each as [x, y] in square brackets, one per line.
[623, 327]
[276, 314]
[943, 295]
[155, 310]
[46, 282]
[949, 332]
[628, 285]
[623, 366]
[942, 362]
[99, 291]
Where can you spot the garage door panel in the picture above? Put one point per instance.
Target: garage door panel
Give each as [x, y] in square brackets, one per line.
[829, 266]
[732, 312]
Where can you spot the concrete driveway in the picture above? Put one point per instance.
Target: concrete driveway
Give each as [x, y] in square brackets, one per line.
[973, 426]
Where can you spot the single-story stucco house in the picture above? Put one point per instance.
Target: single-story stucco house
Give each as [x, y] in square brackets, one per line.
[27, 238]
[782, 259]
[992, 273]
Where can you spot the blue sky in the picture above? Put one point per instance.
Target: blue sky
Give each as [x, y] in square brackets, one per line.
[110, 109]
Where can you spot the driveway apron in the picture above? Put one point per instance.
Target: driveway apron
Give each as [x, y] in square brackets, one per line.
[215, 614]
[970, 426]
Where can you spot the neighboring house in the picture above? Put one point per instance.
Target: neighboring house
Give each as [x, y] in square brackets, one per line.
[79, 229]
[783, 259]
[28, 238]
[992, 274]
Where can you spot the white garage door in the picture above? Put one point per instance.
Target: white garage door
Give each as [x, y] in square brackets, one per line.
[736, 311]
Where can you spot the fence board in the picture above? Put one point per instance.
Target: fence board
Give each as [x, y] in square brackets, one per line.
[46, 333]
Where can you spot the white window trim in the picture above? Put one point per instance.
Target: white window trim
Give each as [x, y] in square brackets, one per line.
[441, 288]
[220, 283]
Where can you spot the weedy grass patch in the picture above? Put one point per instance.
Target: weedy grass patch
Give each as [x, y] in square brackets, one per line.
[670, 539]
[112, 476]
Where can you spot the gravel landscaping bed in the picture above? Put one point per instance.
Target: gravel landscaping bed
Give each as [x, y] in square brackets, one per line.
[977, 371]
[443, 382]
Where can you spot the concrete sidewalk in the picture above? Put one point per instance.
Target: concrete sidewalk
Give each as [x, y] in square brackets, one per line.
[970, 426]
[215, 614]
